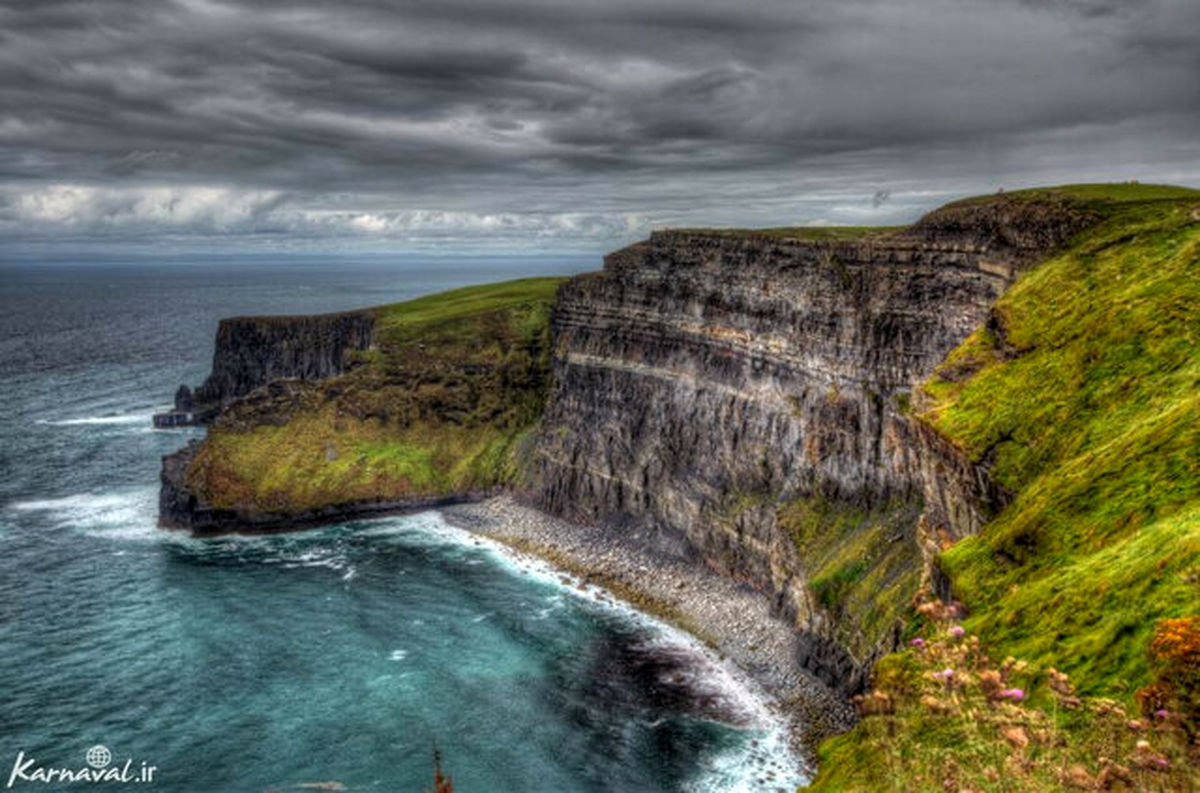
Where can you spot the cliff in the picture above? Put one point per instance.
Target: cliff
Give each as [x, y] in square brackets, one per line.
[436, 410]
[705, 380]
[253, 351]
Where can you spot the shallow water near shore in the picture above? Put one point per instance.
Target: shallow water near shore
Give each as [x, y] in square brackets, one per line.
[339, 654]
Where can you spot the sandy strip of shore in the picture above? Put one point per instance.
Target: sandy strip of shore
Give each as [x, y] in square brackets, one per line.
[729, 617]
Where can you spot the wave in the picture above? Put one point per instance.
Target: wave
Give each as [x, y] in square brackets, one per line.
[127, 418]
[72, 503]
[127, 515]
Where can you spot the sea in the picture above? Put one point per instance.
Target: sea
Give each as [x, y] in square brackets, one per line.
[335, 658]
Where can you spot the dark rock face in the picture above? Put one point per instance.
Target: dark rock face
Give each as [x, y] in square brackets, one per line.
[959, 494]
[175, 501]
[254, 351]
[178, 418]
[701, 379]
[183, 398]
[1020, 231]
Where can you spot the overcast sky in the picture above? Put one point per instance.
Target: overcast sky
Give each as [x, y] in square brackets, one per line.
[565, 125]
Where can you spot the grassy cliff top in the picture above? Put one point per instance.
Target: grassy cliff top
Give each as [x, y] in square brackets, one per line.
[1096, 194]
[1083, 397]
[803, 233]
[424, 313]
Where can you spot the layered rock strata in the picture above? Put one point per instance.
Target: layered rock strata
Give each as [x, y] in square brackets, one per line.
[705, 378]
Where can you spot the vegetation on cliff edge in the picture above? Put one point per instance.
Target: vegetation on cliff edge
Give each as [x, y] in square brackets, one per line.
[1082, 396]
[945, 715]
[803, 233]
[863, 564]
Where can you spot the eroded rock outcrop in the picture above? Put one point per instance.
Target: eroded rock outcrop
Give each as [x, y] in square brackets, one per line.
[253, 351]
[441, 408]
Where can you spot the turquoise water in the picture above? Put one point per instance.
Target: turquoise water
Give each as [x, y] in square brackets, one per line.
[335, 655]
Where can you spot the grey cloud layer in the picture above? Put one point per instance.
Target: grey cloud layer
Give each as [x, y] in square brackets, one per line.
[121, 117]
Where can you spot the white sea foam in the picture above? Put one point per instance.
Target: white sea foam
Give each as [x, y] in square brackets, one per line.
[767, 764]
[321, 556]
[127, 418]
[126, 515]
[75, 503]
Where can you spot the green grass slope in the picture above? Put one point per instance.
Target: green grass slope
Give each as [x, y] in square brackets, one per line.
[441, 404]
[1083, 398]
[1089, 408]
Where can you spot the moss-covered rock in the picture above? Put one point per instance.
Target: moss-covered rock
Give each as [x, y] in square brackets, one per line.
[862, 563]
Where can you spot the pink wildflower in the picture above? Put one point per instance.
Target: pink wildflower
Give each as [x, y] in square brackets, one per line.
[1162, 714]
[918, 642]
[945, 674]
[957, 631]
[1014, 694]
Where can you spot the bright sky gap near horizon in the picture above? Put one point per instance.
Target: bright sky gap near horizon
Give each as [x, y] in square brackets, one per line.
[474, 126]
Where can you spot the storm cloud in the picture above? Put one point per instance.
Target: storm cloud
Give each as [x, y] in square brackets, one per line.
[565, 125]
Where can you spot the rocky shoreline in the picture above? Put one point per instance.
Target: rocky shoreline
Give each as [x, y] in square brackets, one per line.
[657, 574]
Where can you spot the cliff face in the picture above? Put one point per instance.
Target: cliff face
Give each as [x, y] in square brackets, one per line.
[705, 379]
[253, 351]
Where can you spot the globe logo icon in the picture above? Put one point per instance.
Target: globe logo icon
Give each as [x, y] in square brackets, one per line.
[99, 756]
